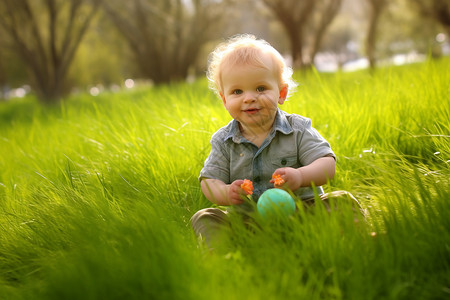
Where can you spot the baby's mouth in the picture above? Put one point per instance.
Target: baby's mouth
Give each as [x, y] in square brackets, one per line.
[251, 110]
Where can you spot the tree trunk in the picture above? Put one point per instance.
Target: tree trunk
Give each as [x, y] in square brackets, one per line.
[296, 48]
[329, 13]
[376, 7]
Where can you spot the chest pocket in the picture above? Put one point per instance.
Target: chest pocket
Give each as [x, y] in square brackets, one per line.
[281, 162]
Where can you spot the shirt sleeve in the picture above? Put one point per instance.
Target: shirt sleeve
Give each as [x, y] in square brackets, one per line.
[312, 145]
[217, 164]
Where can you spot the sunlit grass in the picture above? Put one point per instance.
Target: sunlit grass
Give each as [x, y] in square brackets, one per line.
[96, 196]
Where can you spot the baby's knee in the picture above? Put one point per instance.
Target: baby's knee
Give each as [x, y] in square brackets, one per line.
[208, 213]
[208, 217]
[336, 199]
[209, 225]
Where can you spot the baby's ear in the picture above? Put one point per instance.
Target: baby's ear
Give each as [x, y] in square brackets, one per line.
[223, 98]
[283, 93]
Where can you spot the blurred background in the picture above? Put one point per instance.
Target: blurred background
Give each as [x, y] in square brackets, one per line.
[52, 48]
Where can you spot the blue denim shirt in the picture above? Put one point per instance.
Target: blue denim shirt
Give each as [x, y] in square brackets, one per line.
[292, 142]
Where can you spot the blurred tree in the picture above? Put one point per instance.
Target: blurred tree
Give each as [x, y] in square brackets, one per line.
[325, 14]
[294, 15]
[45, 35]
[3, 81]
[103, 58]
[12, 73]
[375, 8]
[305, 22]
[403, 33]
[340, 43]
[439, 10]
[166, 36]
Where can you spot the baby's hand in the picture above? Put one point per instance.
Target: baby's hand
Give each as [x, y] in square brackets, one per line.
[287, 178]
[236, 193]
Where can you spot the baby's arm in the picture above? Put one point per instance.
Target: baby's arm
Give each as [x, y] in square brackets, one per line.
[220, 193]
[318, 172]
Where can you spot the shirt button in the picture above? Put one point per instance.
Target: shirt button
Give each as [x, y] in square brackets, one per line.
[283, 161]
[257, 179]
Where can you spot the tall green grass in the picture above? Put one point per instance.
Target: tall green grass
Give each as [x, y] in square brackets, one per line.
[96, 196]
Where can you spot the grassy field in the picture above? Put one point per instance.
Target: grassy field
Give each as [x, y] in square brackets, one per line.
[96, 196]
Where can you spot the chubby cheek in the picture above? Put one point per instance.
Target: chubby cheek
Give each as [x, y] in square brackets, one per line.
[270, 105]
[232, 107]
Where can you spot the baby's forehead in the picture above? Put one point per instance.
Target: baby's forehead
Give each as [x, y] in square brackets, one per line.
[249, 57]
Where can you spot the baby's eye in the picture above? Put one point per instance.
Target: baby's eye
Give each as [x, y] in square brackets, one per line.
[237, 92]
[260, 89]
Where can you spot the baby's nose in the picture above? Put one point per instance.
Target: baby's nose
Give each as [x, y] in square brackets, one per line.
[249, 97]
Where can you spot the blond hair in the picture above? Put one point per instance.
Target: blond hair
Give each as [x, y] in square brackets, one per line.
[246, 49]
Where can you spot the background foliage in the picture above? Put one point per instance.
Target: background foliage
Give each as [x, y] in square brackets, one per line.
[57, 46]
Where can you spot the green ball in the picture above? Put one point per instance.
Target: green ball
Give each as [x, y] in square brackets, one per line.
[275, 202]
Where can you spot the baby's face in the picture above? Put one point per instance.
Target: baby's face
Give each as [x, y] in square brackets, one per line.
[251, 93]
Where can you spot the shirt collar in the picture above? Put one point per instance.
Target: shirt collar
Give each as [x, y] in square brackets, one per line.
[280, 124]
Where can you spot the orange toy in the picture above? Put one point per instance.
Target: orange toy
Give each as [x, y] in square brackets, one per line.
[277, 180]
[247, 186]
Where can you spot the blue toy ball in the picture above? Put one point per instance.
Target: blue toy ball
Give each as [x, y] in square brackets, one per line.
[275, 202]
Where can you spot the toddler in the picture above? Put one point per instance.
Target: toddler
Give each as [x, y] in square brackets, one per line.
[262, 141]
